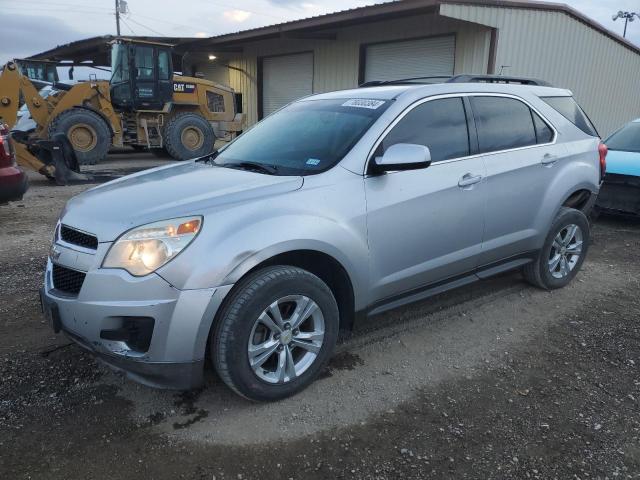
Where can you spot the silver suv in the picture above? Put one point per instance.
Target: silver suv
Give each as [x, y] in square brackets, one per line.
[338, 206]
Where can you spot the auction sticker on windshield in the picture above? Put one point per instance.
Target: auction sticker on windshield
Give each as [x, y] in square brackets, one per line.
[363, 103]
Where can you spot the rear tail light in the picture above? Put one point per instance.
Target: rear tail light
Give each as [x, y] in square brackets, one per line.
[7, 157]
[602, 151]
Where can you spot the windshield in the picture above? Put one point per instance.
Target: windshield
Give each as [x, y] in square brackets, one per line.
[627, 139]
[119, 63]
[305, 137]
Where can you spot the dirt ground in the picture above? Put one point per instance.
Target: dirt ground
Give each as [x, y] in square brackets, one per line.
[495, 380]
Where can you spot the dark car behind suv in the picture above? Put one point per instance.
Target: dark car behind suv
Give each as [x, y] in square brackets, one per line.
[13, 180]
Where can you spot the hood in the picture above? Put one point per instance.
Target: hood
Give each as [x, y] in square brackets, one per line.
[190, 188]
[623, 163]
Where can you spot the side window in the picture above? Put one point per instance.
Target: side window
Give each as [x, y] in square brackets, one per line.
[440, 125]
[544, 134]
[144, 63]
[502, 123]
[215, 102]
[163, 65]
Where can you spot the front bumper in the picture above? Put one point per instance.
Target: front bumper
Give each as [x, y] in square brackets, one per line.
[109, 298]
[13, 184]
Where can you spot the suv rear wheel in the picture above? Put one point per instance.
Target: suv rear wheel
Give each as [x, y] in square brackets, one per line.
[563, 253]
[276, 333]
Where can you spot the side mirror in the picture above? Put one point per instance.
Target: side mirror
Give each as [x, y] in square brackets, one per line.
[403, 156]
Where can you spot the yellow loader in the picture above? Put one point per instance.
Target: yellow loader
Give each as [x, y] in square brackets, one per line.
[144, 105]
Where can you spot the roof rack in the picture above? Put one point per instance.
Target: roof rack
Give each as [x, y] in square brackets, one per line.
[458, 79]
[407, 81]
[497, 79]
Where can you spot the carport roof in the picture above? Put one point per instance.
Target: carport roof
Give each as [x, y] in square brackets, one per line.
[97, 49]
[387, 10]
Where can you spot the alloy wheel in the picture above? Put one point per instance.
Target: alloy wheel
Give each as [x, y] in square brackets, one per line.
[286, 339]
[565, 251]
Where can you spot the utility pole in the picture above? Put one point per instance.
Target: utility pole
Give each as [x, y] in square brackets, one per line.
[628, 17]
[118, 17]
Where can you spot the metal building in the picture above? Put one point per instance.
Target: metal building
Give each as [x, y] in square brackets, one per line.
[274, 65]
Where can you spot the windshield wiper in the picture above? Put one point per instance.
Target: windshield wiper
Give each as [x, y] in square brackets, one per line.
[253, 166]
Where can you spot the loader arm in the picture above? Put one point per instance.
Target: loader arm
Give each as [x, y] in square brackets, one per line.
[12, 84]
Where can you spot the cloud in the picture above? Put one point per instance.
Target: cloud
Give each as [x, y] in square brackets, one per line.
[285, 2]
[237, 16]
[26, 35]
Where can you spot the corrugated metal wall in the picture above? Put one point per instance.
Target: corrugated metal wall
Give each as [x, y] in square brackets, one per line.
[603, 74]
[337, 62]
[216, 71]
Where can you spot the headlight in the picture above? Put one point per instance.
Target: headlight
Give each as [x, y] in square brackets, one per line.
[145, 249]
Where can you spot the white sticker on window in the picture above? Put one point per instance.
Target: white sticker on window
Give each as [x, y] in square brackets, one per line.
[313, 161]
[363, 103]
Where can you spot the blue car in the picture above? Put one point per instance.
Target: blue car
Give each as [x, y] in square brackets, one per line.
[620, 192]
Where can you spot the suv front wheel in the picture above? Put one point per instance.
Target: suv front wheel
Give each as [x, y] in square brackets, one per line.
[276, 333]
[563, 253]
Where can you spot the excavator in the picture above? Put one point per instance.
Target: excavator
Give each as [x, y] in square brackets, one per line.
[143, 105]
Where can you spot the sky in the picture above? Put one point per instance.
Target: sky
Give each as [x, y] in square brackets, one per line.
[33, 26]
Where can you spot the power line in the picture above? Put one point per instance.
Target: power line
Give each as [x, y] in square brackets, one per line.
[165, 21]
[83, 12]
[148, 28]
[59, 4]
[128, 26]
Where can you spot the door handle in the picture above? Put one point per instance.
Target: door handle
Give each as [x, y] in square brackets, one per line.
[469, 179]
[549, 159]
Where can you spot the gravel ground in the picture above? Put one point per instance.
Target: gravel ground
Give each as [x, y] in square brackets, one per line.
[496, 380]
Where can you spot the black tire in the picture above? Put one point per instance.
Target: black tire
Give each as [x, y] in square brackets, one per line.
[87, 131]
[538, 273]
[188, 135]
[230, 338]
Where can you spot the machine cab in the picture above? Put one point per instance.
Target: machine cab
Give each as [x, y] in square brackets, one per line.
[141, 75]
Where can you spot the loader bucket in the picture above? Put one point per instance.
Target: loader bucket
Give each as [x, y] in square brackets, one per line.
[54, 158]
[58, 152]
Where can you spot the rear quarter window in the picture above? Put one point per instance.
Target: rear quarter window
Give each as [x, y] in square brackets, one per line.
[570, 110]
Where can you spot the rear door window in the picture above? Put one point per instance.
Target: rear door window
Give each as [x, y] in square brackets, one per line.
[502, 123]
[570, 110]
[440, 125]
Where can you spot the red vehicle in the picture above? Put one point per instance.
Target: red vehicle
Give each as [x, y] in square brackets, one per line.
[13, 180]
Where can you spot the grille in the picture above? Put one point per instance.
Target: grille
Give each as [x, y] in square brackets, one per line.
[67, 280]
[76, 237]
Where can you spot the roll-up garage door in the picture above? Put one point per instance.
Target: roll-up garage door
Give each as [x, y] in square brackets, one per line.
[412, 58]
[284, 79]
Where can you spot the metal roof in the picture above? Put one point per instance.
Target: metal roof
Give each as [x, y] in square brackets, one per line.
[388, 10]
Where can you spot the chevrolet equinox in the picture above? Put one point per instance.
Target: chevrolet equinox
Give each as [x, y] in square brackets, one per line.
[338, 206]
